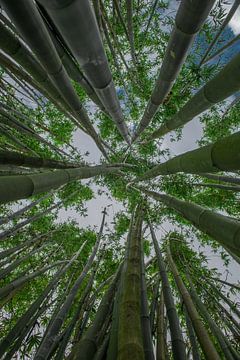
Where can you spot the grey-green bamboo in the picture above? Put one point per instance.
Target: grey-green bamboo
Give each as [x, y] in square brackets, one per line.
[20, 159]
[87, 346]
[17, 187]
[224, 178]
[87, 48]
[213, 157]
[223, 229]
[53, 330]
[207, 346]
[224, 84]
[189, 19]
[178, 345]
[145, 319]
[212, 324]
[28, 21]
[16, 330]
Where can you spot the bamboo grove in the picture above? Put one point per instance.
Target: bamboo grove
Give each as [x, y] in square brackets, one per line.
[123, 113]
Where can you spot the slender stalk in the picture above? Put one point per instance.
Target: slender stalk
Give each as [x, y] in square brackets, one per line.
[160, 349]
[53, 330]
[19, 159]
[85, 47]
[213, 157]
[36, 35]
[130, 342]
[219, 88]
[191, 334]
[145, 319]
[181, 39]
[202, 334]
[178, 345]
[17, 187]
[223, 229]
[218, 186]
[223, 178]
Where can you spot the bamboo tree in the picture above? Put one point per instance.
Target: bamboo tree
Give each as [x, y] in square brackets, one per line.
[40, 41]
[45, 347]
[220, 87]
[145, 320]
[178, 345]
[130, 342]
[181, 39]
[21, 211]
[154, 303]
[19, 159]
[17, 187]
[68, 331]
[153, 8]
[223, 229]
[17, 328]
[231, 305]
[129, 8]
[213, 157]
[72, 69]
[19, 52]
[223, 342]
[12, 231]
[224, 178]
[160, 349]
[191, 334]
[19, 282]
[88, 46]
[87, 347]
[202, 334]
[226, 21]
[218, 186]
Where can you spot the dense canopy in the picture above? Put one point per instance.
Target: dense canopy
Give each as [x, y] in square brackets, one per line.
[119, 179]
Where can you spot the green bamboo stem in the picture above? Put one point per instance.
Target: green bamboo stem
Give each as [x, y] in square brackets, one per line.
[53, 330]
[219, 88]
[213, 326]
[160, 348]
[86, 49]
[154, 303]
[213, 157]
[87, 347]
[223, 229]
[19, 159]
[218, 186]
[17, 187]
[223, 178]
[130, 342]
[202, 334]
[145, 319]
[17, 328]
[189, 19]
[36, 34]
[191, 335]
[178, 345]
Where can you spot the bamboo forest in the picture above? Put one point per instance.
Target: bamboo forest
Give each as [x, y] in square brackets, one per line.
[120, 179]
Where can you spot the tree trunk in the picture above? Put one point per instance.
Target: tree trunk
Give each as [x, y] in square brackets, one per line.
[203, 337]
[178, 345]
[17, 187]
[46, 346]
[130, 342]
[221, 228]
[223, 85]
[213, 157]
[181, 39]
[160, 349]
